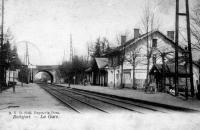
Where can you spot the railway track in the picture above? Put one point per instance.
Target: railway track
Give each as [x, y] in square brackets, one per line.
[82, 104]
[82, 101]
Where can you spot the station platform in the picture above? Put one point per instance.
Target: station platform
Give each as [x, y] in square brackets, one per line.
[31, 100]
[28, 96]
[29, 108]
[158, 98]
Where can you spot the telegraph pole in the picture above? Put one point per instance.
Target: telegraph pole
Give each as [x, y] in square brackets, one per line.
[63, 60]
[176, 47]
[2, 62]
[27, 62]
[71, 48]
[189, 47]
[187, 15]
[2, 23]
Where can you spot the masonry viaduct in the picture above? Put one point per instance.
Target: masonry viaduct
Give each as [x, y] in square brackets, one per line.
[52, 70]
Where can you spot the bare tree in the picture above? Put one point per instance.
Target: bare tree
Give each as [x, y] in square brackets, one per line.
[105, 45]
[163, 54]
[122, 55]
[195, 27]
[133, 57]
[149, 24]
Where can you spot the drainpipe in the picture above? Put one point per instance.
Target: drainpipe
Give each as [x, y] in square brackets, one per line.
[114, 77]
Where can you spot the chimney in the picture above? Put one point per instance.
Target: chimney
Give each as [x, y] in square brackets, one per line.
[136, 32]
[170, 35]
[123, 39]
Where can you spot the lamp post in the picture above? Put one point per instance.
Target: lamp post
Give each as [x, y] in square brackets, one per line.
[22, 75]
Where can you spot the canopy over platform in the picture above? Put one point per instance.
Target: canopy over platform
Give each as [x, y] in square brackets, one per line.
[169, 70]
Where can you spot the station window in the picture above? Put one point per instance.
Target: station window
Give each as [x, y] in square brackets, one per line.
[154, 43]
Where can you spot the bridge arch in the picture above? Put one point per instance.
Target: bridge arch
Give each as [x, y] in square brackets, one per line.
[52, 70]
[48, 72]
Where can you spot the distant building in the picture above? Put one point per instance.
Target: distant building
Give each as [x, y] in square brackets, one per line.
[97, 74]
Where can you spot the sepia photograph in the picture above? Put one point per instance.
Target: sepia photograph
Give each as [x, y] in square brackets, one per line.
[99, 64]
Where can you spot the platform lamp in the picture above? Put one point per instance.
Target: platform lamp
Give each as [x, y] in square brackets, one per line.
[22, 74]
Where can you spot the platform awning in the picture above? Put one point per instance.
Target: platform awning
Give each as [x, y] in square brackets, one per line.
[169, 70]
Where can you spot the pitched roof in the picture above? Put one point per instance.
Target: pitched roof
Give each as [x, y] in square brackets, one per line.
[181, 59]
[141, 37]
[197, 63]
[101, 62]
[169, 69]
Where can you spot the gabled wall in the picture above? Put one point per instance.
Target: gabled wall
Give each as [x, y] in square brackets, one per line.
[141, 59]
[163, 44]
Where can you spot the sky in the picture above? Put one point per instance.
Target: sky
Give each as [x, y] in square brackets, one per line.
[47, 24]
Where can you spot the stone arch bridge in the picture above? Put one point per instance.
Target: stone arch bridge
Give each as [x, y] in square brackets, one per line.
[52, 70]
